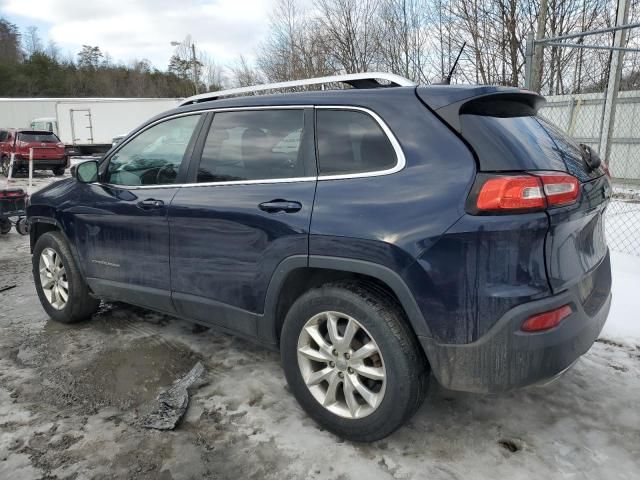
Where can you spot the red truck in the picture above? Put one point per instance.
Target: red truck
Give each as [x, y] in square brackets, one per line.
[48, 151]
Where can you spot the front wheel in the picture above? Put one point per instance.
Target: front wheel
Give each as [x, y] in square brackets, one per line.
[62, 291]
[351, 360]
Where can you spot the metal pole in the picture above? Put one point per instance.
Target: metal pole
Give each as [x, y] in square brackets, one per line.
[590, 32]
[536, 73]
[30, 170]
[528, 60]
[10, 173]
[615, 71]
[195, 68]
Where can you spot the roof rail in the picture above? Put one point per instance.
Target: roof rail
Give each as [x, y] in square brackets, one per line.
[356, 80]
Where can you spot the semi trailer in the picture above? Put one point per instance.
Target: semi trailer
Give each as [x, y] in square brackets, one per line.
[87, 126]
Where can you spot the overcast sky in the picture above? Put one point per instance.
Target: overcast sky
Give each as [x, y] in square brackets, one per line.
[136, 29]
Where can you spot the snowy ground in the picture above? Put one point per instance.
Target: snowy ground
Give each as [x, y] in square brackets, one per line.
[69, 396]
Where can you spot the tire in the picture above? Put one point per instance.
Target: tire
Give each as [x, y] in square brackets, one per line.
[21, 226]
[399, 358]
[5, 226]
[58, 172]
[4, 166]
[79, 305]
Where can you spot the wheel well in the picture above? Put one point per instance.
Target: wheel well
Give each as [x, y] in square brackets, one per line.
[37, 230]
[304, 279]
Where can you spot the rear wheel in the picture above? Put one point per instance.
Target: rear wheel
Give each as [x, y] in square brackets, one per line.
[59, 171]
[62, 291]
[351, 360]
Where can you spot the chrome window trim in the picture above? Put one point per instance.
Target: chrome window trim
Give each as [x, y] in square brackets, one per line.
[400, 158]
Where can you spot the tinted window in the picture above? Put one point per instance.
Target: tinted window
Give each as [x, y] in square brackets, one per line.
[154, 156]
[253, 145]
[351, 142]
[523, 143]
[3, 135]
[39, 137]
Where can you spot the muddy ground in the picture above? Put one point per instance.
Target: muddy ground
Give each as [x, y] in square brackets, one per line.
[70, 397]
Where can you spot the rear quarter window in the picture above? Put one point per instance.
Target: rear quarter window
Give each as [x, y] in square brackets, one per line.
[351, 142]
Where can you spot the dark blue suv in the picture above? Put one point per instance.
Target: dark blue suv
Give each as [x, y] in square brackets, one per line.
[373, 234]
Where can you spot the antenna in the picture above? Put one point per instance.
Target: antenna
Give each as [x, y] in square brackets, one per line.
[447, 81]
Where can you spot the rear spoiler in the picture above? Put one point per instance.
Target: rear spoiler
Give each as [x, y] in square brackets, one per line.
[490, 101]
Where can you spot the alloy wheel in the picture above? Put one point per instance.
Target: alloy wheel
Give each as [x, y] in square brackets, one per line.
[341, 365]
[53, 278]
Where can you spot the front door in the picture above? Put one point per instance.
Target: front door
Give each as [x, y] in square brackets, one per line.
[121, 227]
[248, 209]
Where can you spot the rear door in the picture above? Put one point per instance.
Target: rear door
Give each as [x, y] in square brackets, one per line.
[515, 139]
[248, 208]
[81, 126]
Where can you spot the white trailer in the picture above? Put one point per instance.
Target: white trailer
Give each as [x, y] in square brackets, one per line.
[85, 125]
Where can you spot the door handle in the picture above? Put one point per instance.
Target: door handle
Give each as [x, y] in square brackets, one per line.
[279, 205]
[150, 204]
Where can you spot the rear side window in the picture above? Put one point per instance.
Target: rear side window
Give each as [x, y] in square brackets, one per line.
[253, 145]
[38, 137]
[351, 142]
[523, 143]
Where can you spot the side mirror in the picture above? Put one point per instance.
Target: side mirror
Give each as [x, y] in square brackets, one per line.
[85, 172]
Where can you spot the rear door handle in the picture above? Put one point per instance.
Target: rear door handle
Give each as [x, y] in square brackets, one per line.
[150, 204]
[279, 205]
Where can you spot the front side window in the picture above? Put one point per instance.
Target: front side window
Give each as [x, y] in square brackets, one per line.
[253, 145]
[3, 135]
[154, 156]
[351, 142]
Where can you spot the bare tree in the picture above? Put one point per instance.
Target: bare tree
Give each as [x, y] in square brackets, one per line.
[351, 29]
[211, 72]
[243, 74]
[294, 47]
[31, 42]
[404, 37]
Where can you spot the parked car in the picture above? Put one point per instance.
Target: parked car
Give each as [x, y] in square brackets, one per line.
[374, 235]
[48, 152]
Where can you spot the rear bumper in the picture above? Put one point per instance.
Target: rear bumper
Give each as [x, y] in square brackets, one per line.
[506, 357]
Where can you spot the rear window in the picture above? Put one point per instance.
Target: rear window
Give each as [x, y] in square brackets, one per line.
[523, 143]
[37, 137]
[351, 142]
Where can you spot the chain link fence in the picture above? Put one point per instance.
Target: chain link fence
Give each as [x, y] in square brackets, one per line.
[582, 114]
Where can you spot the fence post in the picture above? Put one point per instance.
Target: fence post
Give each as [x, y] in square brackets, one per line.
[615, 71]
[10, 172]
[30, 169]
[528, 60]
[538, 52]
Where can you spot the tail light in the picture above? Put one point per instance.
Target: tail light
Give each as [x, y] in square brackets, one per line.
[522, 192]
[546, 320]
[559, 188]
[12, 193]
